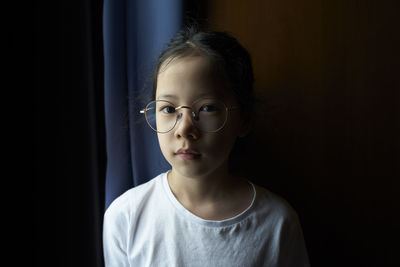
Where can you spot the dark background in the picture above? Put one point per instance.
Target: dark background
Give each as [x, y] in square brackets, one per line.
[326, 138]
[70, 132]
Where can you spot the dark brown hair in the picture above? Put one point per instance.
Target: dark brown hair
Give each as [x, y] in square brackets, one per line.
[226, 54]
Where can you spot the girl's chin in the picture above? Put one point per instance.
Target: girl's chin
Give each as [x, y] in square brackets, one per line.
[195, 169]
[189, 171]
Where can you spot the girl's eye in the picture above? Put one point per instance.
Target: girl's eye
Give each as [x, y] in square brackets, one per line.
[168, 109]
[209, 108]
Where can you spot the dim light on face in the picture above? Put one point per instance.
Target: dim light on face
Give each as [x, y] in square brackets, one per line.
[191, 151]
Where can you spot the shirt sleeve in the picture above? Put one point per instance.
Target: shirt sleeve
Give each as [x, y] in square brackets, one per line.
[293, 252]
[115, 233]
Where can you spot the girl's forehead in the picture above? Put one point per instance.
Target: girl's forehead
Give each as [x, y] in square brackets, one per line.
[190, 77]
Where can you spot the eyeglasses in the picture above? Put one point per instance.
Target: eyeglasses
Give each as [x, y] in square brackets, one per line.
[207, 114]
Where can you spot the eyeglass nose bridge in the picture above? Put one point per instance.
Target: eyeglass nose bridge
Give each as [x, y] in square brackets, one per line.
[194, 115]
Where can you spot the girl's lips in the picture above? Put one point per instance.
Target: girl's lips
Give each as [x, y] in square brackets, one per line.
[187, 154]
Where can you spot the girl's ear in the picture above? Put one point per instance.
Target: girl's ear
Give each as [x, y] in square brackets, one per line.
[246, 124]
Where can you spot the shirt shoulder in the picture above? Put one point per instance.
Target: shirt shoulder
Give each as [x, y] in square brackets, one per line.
[273, 205]
[133, 199]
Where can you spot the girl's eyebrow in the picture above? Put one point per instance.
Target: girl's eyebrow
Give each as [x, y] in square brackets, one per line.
[199, 96]
[167, 96]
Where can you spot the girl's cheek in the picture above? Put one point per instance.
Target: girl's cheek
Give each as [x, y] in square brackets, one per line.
[163, 142]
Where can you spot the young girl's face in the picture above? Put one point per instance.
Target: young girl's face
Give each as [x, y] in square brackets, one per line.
[182, 82]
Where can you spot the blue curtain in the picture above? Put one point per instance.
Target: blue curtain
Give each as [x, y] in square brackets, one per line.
[135, 33]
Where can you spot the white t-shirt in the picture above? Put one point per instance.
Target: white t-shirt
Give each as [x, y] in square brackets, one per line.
[148, 226]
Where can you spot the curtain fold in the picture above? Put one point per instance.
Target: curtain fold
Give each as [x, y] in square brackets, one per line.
[135, 33]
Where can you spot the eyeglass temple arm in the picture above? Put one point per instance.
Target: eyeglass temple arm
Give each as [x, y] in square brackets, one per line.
[234, 107]
[177, 108]
[145, 109]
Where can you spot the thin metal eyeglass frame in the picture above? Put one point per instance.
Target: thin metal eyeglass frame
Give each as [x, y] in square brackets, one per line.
[143, 111]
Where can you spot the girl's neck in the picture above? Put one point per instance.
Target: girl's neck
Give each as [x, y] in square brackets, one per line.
[214, 187]
[214, 197]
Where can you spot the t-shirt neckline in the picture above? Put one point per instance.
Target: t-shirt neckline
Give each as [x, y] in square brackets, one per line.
[210, 223]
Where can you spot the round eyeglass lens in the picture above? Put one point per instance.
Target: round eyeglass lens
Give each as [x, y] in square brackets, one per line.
[161, 116]
[211, 114]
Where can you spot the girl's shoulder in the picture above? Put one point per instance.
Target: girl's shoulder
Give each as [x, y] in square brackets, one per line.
[133, 198]
[274, 205]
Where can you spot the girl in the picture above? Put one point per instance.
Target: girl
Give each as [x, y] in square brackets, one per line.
[199, 213]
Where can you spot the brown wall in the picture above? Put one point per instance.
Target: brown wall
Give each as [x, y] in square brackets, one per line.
[327, 73]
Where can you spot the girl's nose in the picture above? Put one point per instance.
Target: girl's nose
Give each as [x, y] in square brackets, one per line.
[185, 127]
